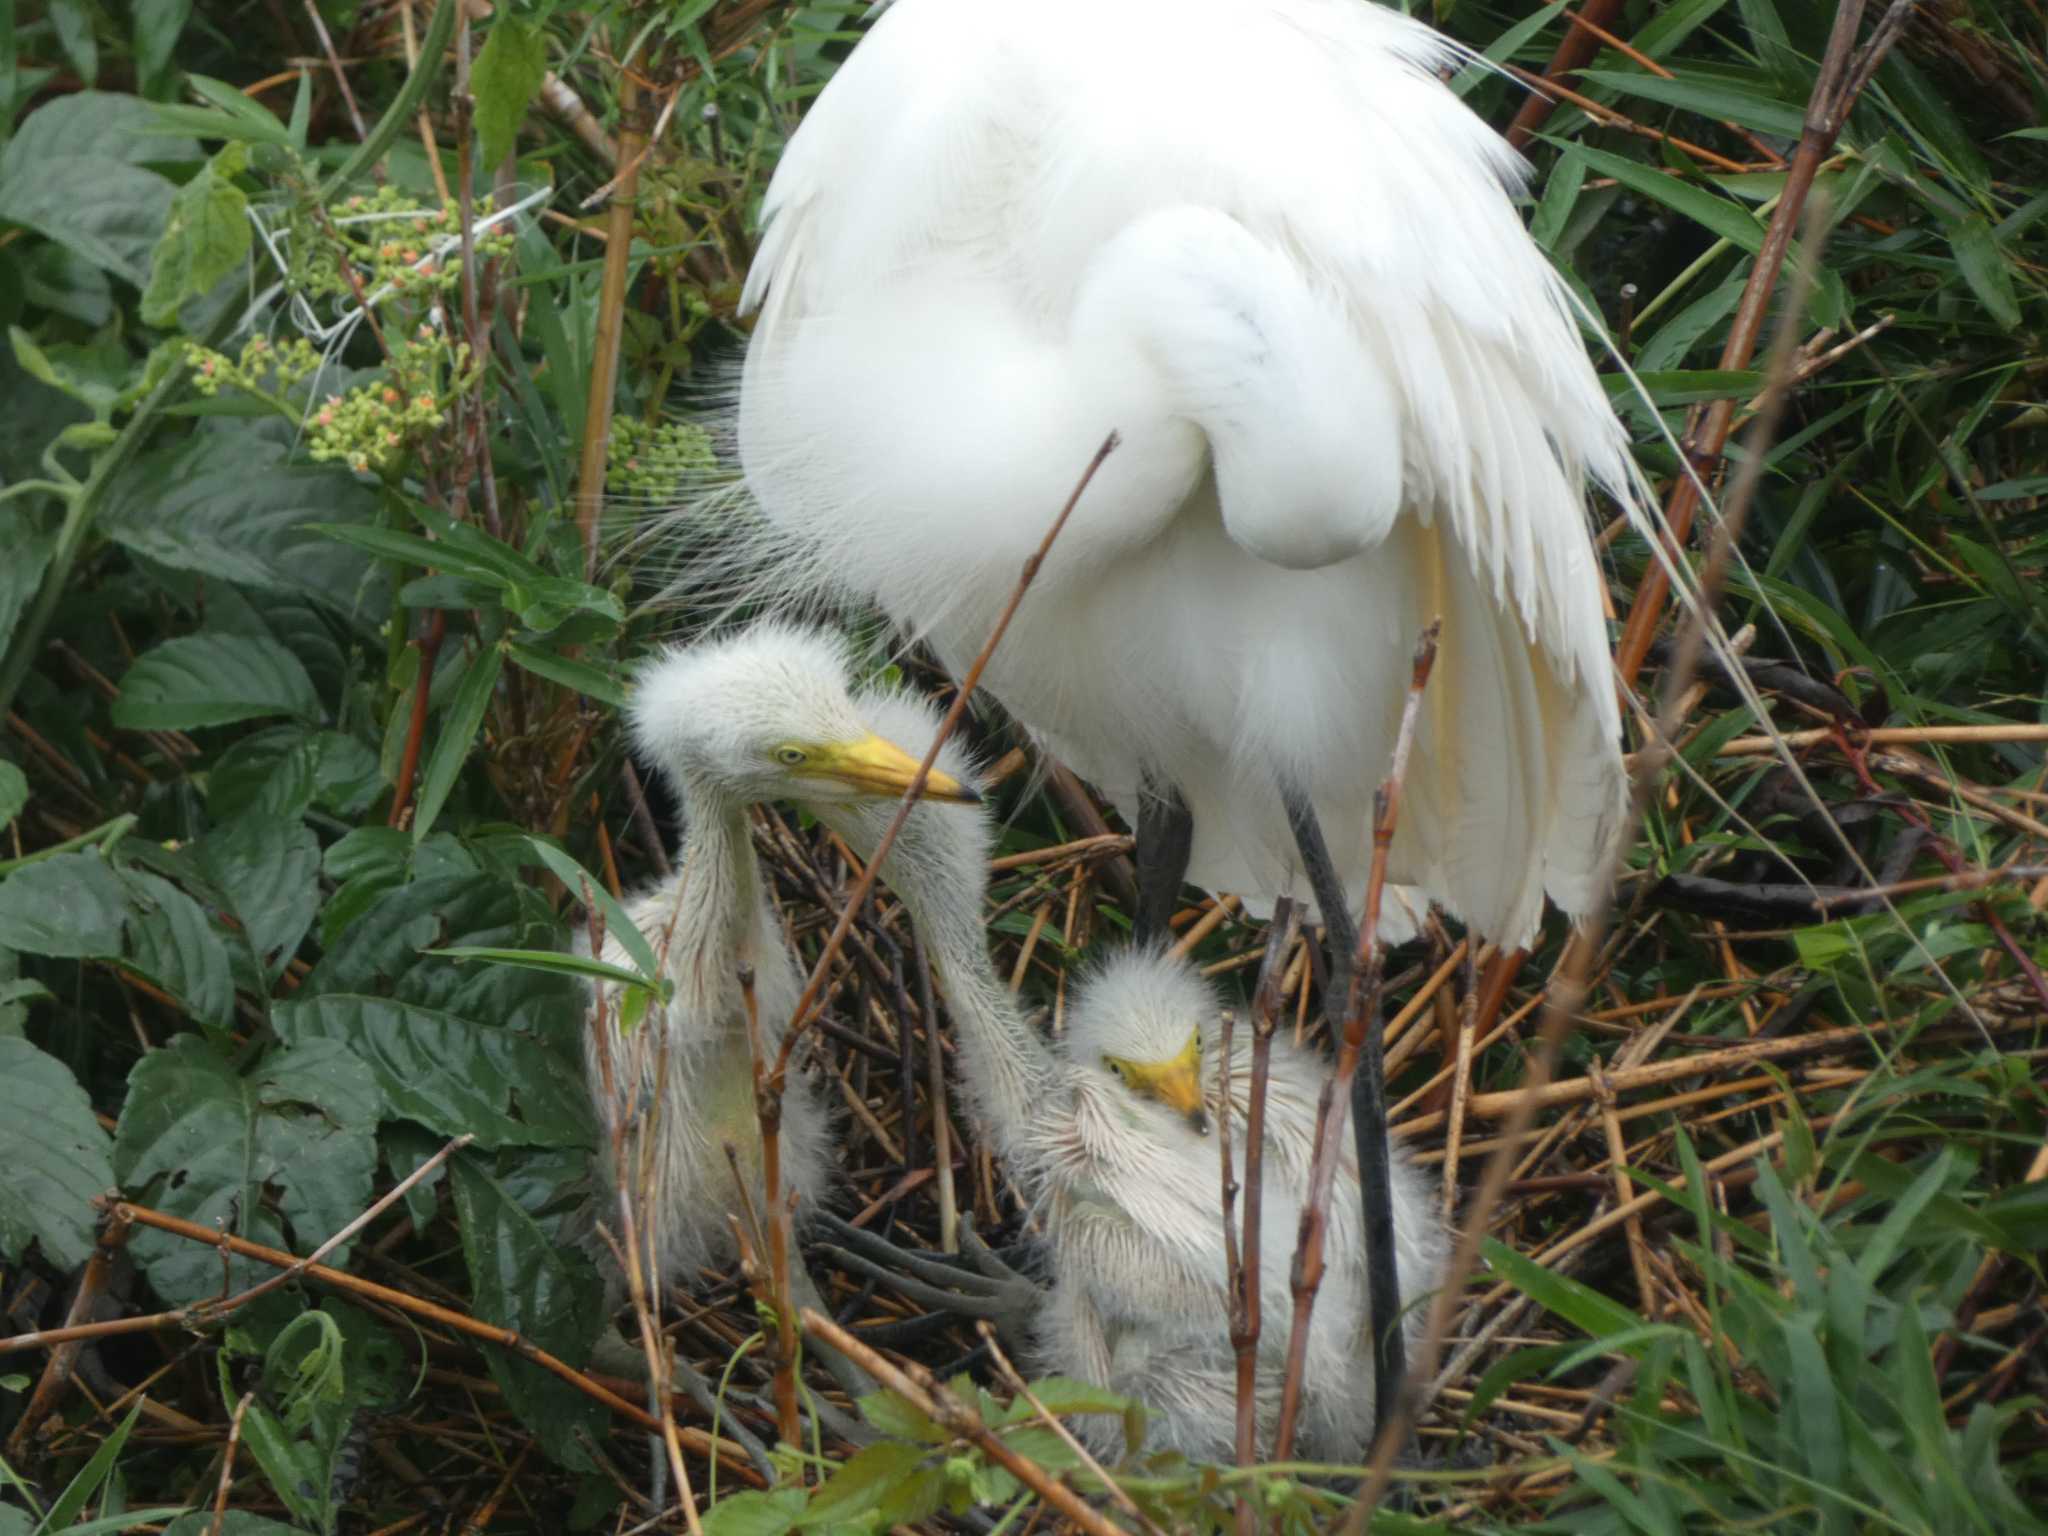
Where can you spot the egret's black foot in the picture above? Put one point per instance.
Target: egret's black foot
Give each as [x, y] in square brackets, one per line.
[977, 1283]
[1166, 840]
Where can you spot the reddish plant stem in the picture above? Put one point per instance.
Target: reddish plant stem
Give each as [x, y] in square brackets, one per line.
[1574, 49]
[1243, 1257]
[1827, 110]
[416, 728]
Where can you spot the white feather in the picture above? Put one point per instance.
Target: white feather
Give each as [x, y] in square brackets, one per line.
[1261, 240]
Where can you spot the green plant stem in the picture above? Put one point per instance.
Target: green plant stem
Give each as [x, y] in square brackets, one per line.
[28, 487]
[78, 519]
[103, 836]
[398, 115]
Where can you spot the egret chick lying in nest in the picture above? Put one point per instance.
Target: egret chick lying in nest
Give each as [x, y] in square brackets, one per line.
[1111, 1132]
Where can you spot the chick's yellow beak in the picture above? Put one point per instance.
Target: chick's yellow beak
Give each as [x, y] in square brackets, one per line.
[882, 768]
[1178, 1085]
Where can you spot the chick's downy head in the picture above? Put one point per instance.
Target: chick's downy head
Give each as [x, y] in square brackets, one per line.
[1142, 1018]
[766, 714]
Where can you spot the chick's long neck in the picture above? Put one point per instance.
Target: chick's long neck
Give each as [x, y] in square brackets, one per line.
[1006, 1067]
[717, 919]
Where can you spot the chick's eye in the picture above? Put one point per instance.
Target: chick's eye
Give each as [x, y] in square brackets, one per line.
[790, 757]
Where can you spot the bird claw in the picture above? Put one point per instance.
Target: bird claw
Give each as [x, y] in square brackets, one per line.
[989, 1290]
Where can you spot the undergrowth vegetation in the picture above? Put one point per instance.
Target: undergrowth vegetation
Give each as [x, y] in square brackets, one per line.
[348, 345]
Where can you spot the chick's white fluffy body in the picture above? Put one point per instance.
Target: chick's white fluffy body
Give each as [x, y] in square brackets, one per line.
[713, 717]
[1262, 241]
[1129, 1194]
[1131, 1197]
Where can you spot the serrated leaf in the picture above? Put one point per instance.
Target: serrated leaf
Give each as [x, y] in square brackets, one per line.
[296, 1138]
[452, 1075]
[503, 80]
[168, 939]
[385, 953]
[205, 238]
[752, 1513]
[213, 679]
[894, 1417]
[28, 545]
[230, 505]
[269, 869]
[55, 1154]
[68, 175]
[71, 906]
[858, 1487]
[522, 1279]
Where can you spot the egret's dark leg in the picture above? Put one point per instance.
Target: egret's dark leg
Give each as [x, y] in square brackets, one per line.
[1368, 1108]
[1166, 839]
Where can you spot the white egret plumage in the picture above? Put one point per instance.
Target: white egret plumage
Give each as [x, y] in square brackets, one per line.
[1263, 241]
[1110, 1132]
[730, 723]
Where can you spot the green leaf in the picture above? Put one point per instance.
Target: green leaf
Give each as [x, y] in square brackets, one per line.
[385, 953]
[268, 868]
[237, 1523]
[1985, 268]
[555, 962]
[65, 1509]
[1709, 98]
[894, 1417]
[55, 1154]
[213, 679]
[619, 924]
[28, 545]
[451, 1074]
[71, 905]
[68, 175]
[458, 732]
[295, 1139]
[1064, 1395]
[228, 504]
[592, 682]
[1569, 1299]
[503, 81]
[206, 238]
[170, 942]
[548, 1292]
[72, 22]
[857, 1488]
[155, 28]
[755, 1514]
[1722, 216]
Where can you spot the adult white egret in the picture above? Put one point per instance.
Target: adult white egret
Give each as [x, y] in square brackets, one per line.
[760, 716]
[1263, 241]
[1109, 1131]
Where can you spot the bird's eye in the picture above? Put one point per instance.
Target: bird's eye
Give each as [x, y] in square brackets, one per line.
[791, 757]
